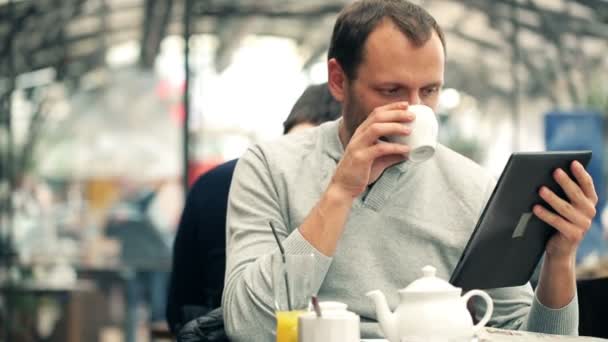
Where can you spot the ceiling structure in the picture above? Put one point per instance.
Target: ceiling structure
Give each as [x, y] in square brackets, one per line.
[504, 53]
[547, 39]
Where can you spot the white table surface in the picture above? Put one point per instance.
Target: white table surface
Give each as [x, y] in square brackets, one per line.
[500, 335]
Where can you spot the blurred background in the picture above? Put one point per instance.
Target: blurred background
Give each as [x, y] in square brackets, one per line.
[110, 109]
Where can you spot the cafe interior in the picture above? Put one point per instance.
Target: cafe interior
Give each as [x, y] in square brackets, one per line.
[110, 110]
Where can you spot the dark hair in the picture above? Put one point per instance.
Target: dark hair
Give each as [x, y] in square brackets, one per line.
[316, 105]
[357, 20]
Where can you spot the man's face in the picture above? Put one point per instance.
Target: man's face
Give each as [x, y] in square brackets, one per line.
[393, 70]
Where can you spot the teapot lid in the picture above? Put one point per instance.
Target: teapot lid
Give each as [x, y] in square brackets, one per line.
[430, 283]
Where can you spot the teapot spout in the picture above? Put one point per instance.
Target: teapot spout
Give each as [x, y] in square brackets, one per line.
[386, 318]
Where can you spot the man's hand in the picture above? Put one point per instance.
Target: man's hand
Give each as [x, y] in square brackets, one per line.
[366, 156]
[557, 283]
[575, 215]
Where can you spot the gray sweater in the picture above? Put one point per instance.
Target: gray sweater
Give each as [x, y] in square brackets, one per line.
[414, 215]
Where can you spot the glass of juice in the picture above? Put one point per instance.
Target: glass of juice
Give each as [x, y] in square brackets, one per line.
[291, 284]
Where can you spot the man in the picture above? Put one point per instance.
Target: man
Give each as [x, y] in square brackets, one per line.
[339, 191]
[198, 255]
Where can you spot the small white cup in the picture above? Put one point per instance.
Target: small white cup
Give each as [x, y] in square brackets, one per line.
[335, 324]
[423, 137]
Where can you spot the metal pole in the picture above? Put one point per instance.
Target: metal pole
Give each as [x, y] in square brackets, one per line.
[10, 165]
[186, 96]
[8, 252]
[515, 56]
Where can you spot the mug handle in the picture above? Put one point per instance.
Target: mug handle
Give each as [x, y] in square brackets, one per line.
[489, 307]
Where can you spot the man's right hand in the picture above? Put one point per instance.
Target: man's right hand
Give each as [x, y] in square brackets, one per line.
[366, 156]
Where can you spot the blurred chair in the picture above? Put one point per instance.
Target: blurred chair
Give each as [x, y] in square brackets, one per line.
[159, 331]
[197, 277]
[145, 252]
[593, 307]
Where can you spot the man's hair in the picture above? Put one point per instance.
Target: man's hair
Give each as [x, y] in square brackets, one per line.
[316, 106]
[357, 20]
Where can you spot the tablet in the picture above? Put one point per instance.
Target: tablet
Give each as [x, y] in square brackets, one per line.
[509, 239]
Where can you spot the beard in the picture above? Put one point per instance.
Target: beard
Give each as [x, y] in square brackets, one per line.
[354, 113]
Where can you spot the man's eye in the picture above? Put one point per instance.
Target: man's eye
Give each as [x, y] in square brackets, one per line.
[390, 91]
[429, 91]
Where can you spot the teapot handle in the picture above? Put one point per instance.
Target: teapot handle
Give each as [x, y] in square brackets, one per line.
[489, 307]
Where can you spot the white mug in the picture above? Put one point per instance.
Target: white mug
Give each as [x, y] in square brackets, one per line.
[423, 137]
[335, 324]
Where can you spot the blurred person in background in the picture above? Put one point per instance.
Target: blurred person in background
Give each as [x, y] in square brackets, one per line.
[142, 222]
[371, 220]
[197, 277]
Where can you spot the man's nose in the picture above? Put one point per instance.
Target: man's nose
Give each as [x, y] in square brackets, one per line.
[414, 98]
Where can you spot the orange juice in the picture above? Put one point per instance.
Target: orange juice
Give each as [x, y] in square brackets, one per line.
[287, 325]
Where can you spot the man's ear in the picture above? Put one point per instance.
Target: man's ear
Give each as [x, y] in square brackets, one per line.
[336, 79]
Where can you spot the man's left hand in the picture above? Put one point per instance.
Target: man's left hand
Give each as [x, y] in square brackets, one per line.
[573, 216]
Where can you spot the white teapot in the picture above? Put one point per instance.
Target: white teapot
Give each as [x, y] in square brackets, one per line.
[429, 308]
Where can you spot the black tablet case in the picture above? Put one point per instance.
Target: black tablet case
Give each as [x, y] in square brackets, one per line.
[509, 239]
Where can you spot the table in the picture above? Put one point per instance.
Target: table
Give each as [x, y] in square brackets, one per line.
[502, 335]
[25, 313]
[106, 277]
[125, 277]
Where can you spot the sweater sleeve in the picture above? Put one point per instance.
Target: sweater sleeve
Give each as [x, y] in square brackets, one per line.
[563, 321]
[253, 202]
[518, 308]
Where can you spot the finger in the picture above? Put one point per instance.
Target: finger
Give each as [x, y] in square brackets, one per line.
[584, 180]
[574, 192]
[567, 229]
[395, 115]
[377, 112]
[385, 149]
[403, 105]
[564, 208]
[374, 132]
[387, 161]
